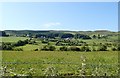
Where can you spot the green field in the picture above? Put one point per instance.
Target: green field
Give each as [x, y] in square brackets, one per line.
[12, 39]
[25, 60]
[64, 62]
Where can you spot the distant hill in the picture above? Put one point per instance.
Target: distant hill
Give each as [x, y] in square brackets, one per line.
[102, 31]
[34, 32]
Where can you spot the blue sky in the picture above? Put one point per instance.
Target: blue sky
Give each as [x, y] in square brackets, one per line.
[79, 16]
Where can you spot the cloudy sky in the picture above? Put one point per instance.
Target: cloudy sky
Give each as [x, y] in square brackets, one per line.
[79, 16]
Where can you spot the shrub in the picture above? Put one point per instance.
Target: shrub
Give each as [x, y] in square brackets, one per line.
[48, 48]
[93, 48]
[18, 49]
[85, 48]
[21, 43]
[63, 48]
[118, 48]
[35, 49]
[102, 48]
[31, 42]
[45, 42]
[52, 48]
[6, 46]
[114, 49]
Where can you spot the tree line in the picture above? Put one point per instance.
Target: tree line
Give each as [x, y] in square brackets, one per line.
[10, 46]
[101, 47]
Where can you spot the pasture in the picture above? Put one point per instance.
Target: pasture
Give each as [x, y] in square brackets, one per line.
[12, 39]
[29, 59]
[96, 63]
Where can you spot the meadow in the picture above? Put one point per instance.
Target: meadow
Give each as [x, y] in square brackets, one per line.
[11, 39]
[96, 63]
[34, 59]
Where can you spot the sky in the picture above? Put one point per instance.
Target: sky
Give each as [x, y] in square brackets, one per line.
[75, 16]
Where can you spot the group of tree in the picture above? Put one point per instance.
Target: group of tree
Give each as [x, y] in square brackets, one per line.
[48, 35]
[62, 35]
[82, 36]
[82, 48]
[10, 46]
[75, 48]
[49, 48]
[70, 43]
[3, 34]
[6, 46]
[99, 36]
[65, 48]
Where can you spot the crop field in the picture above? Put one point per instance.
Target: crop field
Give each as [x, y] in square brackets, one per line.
[62, 63]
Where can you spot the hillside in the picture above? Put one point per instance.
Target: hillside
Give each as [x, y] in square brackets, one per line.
[33, 32]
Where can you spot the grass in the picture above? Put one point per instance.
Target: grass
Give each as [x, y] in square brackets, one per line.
[12, 39]
[68, 56]
[64, 62]
[21, 62]
[29, 47]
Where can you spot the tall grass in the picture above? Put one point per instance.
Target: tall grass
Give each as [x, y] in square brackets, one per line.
[61, 63]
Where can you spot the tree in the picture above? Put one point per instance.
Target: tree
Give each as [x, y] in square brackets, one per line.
[99, 36]
[3, 33]
[94, 36]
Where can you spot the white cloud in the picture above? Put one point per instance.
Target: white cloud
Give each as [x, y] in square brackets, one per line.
[51, 24]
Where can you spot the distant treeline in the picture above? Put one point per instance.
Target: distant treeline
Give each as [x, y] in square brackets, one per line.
[54, 34]
[44, 34]
[3, 33]
[62, 35]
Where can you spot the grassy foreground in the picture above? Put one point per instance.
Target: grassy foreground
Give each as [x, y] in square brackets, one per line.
[42, 63]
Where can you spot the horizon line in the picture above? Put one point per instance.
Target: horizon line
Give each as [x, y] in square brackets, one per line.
[59, 30]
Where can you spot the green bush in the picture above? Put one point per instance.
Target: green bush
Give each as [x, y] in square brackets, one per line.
[114, 49]
[102, 48]
[6, 46]
[52, 48]
[48, 48]
[63, 48]
[18, 49]
[45, 41]
[31, 42]
[85, 48]
[93, 48]
[118, 48]
[35, 49]
[74, 48]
